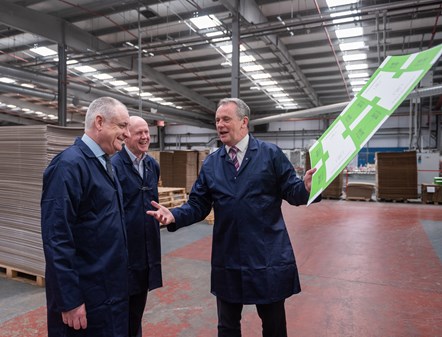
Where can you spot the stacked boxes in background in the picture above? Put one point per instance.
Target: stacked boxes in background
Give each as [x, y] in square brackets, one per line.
[396, 175]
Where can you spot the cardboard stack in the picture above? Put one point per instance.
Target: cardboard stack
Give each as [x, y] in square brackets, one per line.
[334, 190]
[359, 191]
[25, 151]
[396, 175]
[431, 193]
[179, 168]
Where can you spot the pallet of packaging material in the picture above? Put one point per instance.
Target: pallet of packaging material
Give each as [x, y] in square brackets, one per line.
[20, 275]
[172, 196]
[431, 194]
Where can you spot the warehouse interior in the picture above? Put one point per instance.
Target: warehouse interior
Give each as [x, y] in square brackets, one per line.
[369, 254]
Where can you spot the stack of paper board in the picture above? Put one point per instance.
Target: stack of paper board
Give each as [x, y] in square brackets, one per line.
[359, 191]
[185, 169]
[25, 152]
[431, 193]
[334, 190]
[396, 175]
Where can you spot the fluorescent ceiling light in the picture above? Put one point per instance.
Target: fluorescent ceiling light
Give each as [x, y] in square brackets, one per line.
[254, 88]
[206, 21]
[253, 67]
[155, 99]
[354, 57]
[356, 66]
[28, 85]
[39, 113]
[167, 103]
[11, 106]
[85, 69]
[336, 3]
[118, 83]
[43, 51]
[71, 62]
[274, 89]
[6, 80]
[282, 94]
[358, 75]
[281, 100]
[349, 32]
[131, 89]
[352, 45]
[103, 76]
[261, 76]
[356, 89]
[264, 83]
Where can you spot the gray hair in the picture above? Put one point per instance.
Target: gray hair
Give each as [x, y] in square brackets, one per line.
[242, 110]
[103, 106]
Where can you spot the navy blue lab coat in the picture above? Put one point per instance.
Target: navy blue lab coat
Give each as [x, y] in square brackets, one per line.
[84, 242]
[252, 258]
[143, 231]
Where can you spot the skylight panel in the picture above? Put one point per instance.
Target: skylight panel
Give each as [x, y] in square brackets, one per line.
[253, 67]
[352, 45]
[103, 76]
[85, 69]
[356, 66]
[354, 57]
[349, 32]
[43, 51]
[336, 3]
[206, 21]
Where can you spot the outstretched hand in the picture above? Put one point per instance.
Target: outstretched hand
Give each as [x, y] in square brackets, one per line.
[308, 178]
[162, 214]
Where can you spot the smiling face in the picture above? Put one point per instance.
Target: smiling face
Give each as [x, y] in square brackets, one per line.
[113, 130]
[139, 140]
[230, 127]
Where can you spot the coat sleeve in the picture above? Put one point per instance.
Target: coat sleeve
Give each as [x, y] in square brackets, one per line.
[60, 201]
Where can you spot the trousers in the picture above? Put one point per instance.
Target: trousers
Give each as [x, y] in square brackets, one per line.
[272, 317]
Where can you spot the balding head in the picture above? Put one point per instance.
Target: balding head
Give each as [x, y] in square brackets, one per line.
[139, 140]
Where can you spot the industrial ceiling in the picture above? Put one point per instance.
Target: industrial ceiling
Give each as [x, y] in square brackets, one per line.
[172, 61]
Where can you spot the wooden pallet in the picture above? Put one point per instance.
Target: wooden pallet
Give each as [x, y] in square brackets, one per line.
[210, 219]
[172, 196]
[22, 276]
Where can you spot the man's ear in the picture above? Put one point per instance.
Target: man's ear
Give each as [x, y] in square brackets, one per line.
[245, 122]
[99, 121]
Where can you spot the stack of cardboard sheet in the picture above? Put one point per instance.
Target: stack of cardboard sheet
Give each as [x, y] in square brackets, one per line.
[396, 175]
[25, 151]
[185, 169]
[359, 191]
[334, 190]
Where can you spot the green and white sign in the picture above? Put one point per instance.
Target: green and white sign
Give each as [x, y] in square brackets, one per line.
[392, 82]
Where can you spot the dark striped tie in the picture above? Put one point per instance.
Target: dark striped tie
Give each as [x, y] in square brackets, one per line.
[108, 166]
[233, 151]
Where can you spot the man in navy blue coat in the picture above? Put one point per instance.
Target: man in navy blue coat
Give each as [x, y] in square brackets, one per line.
[138, 175]
[83, 231]
[245, 181]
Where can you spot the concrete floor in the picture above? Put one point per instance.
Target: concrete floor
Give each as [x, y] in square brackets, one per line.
[367, 269]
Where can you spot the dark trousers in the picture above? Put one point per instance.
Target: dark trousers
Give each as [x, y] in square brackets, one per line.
[272, 316]
[137, 304]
